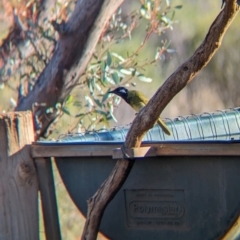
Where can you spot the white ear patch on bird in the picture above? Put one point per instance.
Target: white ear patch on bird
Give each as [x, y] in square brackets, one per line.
[122, 90]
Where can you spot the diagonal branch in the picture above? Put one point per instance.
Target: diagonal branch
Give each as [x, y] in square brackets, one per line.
[148, 115]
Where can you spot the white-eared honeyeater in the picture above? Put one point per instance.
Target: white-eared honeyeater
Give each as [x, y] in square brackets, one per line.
[137, 100]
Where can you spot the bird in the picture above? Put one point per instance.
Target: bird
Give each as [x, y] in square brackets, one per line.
[137, 100]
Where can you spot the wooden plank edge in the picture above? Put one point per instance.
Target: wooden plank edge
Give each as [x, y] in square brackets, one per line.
[178, 150]
[148, 150]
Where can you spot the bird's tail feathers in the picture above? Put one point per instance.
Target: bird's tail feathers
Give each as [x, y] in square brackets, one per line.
[163, 126]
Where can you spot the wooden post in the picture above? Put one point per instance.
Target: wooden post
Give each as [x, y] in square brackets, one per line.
[18, 179]
[48, 196]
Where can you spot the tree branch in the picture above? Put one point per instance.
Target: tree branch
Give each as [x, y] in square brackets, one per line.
[147, 116]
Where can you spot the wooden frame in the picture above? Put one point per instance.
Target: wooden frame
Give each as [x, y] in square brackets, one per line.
[186, 148]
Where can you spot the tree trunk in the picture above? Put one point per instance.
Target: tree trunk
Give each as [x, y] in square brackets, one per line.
[77, 41]
[18, 180]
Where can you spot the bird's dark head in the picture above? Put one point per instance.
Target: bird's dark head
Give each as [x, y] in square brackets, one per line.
[121, 92]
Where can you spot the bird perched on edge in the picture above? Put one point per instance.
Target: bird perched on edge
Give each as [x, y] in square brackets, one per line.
[137, 100]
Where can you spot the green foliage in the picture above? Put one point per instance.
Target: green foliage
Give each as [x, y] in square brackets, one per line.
[111, 67]
[89, 104]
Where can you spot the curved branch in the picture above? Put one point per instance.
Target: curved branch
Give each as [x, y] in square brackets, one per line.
[147, 116]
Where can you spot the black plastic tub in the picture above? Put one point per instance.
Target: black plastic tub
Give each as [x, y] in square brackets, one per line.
[164, 197]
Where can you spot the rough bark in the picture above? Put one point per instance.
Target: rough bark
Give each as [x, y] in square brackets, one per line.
[78, 38]
[18, 178]
[147, 116]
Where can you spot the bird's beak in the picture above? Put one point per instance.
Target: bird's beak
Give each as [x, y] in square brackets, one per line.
[111, 92]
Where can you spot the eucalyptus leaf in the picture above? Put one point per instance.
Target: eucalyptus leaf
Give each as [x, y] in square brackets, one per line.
[118, 56]
[99, 104]
[109, 59]
[105, 96]
[102, 113]
[110, 80]
[65, 110]
[77, 103]
[79, 115]
[69, 99]
[126, 72]
[115, 78]
[89, 100]
[113, 117]
[178, 7]
[144, 79]
[102, 66]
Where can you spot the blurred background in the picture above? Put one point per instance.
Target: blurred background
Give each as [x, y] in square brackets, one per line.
[214, 88]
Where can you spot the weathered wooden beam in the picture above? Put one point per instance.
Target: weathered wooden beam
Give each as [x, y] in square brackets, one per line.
[147, 150]
[192, 149]
[48, 197]
[18, 178]
[72, 150]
